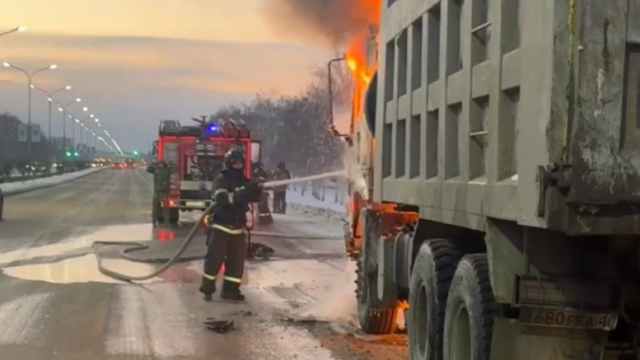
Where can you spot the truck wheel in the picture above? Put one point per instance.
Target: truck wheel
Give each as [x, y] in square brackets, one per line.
[374, 318]
[432, 273]
[470, 311]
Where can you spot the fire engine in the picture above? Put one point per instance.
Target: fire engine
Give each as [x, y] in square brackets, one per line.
[195, 156]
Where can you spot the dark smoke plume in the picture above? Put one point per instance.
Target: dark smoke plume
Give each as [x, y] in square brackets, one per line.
[330, 21]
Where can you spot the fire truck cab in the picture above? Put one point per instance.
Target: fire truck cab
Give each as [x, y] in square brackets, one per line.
[195, 156]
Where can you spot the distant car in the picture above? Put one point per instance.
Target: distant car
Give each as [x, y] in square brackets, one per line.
[118, 166]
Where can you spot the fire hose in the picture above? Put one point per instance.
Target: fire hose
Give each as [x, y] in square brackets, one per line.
[137, 246]
[133, 246]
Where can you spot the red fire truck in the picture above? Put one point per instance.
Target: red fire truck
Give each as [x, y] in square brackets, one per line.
[195, 156]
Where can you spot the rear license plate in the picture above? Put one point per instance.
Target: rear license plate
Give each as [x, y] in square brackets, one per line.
[568, 319]
[196, 204]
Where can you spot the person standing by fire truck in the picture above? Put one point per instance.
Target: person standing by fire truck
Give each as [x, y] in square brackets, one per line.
[280, 192]
[227, 241]
[264, 213]
[162, 186]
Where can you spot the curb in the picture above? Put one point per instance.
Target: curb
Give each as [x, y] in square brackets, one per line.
[48, 185]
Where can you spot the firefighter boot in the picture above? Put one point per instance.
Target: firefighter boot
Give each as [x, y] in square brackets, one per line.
[231, 291]
[208, 288]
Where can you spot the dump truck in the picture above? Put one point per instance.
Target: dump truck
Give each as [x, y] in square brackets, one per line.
[495, 179]
[195, 156]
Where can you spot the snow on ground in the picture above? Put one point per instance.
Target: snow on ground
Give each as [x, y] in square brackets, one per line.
[332, 201]
[29, 185]
[81, 244]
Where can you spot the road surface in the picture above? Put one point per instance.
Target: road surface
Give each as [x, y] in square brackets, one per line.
[55, 305]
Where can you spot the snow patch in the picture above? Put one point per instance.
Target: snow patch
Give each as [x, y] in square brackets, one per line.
[30, 185]
[309, 201]
[321, 290]
[296, 343]
[135, 232]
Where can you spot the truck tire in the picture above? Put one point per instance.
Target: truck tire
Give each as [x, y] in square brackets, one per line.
[470, 311]
[428, 289]
[374, 317]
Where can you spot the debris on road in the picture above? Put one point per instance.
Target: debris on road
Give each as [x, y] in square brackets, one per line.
[304, 320]
[260, 251]
[219, 326]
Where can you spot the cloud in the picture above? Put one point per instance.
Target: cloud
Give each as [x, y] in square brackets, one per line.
[133, 82]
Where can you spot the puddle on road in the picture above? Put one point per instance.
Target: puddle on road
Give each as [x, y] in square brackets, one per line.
[82, 269]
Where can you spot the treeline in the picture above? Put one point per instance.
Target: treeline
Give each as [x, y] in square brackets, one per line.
[15, 159]
[13, 150]
[295, 129]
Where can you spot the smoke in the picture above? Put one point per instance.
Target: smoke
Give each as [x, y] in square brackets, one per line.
[333, 22]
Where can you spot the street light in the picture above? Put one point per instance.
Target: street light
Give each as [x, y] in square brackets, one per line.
[16, 29]
[30, 75]
[50, 98]
[63, 110]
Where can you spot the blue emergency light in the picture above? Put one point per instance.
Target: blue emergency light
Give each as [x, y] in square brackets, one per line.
[213, 129]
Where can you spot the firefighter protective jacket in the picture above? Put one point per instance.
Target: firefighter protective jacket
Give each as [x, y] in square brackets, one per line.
[233, 193]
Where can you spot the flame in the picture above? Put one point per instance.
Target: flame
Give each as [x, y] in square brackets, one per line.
[361, 66]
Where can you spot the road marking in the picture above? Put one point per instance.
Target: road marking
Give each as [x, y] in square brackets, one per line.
[127, 332]
[148, 322]
[19, 318]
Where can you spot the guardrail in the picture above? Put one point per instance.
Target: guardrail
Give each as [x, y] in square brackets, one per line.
[40, 175]
[19, 187]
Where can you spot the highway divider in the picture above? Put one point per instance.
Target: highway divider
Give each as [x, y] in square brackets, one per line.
[19, 187]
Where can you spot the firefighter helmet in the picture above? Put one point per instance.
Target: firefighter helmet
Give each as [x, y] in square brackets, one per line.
[232, 156]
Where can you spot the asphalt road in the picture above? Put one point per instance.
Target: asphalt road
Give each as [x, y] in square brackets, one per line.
[55, 305]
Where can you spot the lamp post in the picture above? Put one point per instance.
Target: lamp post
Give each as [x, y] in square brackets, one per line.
[30, 75]
[16, 29]
[63, 110]
[50, 97]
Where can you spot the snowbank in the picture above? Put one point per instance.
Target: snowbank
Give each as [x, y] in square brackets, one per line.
[19, 187]
[332, 204]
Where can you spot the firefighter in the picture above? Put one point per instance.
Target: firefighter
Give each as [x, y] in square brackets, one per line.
[280, 192]
[227, 223]
[264, 213]
[162, 186]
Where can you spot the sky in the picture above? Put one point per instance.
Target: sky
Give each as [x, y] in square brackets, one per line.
[135, 62]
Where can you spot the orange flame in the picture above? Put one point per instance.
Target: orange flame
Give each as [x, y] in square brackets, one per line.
[362, 68]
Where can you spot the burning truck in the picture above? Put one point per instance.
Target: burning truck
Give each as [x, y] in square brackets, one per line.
[494, 177]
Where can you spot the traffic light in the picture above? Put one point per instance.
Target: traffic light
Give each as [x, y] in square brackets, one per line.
[68, 154]
[76, 154]
[136, 153]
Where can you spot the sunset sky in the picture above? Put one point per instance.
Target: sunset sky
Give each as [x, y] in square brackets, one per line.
[139, 61]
